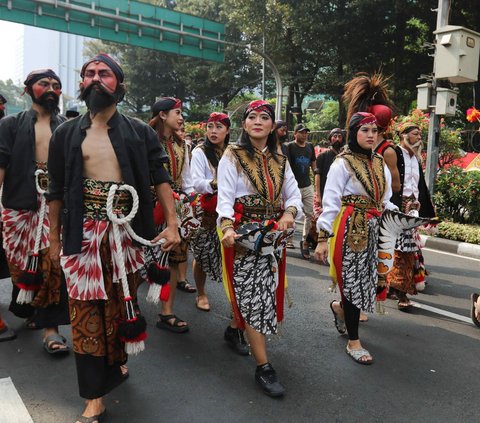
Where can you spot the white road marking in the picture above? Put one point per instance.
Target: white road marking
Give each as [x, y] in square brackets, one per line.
[12, 408]
[450, 254]
[442, 312]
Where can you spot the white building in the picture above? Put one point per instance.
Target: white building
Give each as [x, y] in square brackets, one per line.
[42, 48]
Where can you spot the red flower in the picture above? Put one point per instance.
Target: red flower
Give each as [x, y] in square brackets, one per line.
[473, 115]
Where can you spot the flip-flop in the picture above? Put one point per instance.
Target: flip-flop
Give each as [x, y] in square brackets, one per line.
[356, 355]
[339, 323]
[473, 310]
[55, 339]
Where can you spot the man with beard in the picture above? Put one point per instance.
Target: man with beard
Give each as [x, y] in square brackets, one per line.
[325, 160]
[6, 334]
[87, 156]
[39, 293]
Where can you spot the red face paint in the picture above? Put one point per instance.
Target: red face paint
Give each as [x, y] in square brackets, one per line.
[100, 72]
[45, 85]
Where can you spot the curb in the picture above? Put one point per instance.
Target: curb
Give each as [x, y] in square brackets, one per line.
[454, 247]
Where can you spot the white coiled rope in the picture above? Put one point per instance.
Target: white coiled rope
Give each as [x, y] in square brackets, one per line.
[24, 296]
[120, 220]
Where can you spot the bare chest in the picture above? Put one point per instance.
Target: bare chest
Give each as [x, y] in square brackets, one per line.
[43, 134]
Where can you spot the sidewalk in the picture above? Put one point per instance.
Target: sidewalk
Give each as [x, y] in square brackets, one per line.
[454, 247]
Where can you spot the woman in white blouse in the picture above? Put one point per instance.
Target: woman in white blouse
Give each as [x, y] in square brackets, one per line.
[357, 191]
[256, 183]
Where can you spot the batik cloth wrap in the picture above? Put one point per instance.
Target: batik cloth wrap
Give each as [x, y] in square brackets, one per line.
[96, 300]
[407, 247]
[354, 247]
[19, 228]
[176, 162]
[257, 296]
[353, 251]
[205, 243]
[84, 271]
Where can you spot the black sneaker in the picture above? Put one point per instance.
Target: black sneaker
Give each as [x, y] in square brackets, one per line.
[266, 377]
[236, 340]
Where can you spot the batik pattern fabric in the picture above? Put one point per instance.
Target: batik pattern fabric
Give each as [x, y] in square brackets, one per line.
[176, 161]
[206, 251]
[19, 229]
[84, 272]
[353, 251]
[402, 275]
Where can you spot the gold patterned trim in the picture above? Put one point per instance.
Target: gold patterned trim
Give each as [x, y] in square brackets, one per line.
[263, 171]
[323, 235]
[370, 173]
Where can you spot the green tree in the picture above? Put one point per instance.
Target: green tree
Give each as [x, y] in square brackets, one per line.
[16, 101]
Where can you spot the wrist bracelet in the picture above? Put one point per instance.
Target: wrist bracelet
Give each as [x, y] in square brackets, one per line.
[226, 223]
[292, 210]
[323, 235]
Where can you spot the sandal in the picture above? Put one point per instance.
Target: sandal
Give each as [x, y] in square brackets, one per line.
[55, 340]
[164, 323]
[186, 287]
[304, 251]
[339, 323]
[475, 311]
[99, 418]
[290, 245]
[30, 324]
[363, 318]
[202, 302]
[404, 303]
[357, 355]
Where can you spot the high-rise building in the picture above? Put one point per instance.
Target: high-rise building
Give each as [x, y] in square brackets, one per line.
[42, 48]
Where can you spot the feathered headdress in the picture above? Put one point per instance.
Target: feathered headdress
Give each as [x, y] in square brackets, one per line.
[368, 93]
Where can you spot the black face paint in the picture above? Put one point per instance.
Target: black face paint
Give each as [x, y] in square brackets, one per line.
[97, 97]
[49, 101]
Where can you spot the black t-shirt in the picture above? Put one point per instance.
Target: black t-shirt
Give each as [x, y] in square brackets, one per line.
[322, 166]
[300, 159]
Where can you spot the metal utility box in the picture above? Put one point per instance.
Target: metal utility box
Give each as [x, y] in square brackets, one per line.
[457, 55]
[446, 102]
[423, 96]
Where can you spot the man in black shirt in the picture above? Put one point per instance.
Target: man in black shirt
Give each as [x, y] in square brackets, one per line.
[301, 156]
[325, 160]
[24, 144]
[87, 156]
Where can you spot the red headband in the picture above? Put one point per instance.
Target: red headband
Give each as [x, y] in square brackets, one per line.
[260, 105]
[367, 118]
[219, 117]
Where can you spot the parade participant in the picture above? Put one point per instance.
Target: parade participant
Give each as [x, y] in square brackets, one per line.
[412, 198]
[206, 245]
[166, 119]
[356, 193]
[301, 156]
[370, 93]
[24, 146]
[87, 156]
[282, 134]
[3, 101]
[324, 161]
[256, 184]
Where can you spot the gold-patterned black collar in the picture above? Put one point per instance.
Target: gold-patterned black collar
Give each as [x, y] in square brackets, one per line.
[369, 172]
[264, 172]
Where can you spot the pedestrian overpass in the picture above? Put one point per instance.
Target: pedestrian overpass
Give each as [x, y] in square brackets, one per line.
[125, 22]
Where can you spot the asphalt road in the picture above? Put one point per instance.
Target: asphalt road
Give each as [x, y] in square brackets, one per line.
[426, 364]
